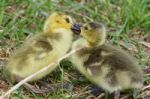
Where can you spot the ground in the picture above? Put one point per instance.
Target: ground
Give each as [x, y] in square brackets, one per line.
[127, 22]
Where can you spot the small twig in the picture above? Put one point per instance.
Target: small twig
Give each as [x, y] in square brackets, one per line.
[146, 87]
[35, 90]
[36, 73]
[147, 74]
[100, 96]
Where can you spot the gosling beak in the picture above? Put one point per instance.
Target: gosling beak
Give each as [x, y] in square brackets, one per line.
[76, 28]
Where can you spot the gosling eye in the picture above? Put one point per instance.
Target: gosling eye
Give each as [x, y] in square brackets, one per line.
[67, 20]
[86, 28]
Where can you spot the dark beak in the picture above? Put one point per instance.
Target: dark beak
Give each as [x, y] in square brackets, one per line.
[76, 28]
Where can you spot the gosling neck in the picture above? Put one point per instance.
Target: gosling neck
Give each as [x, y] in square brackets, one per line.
[66, 35]
[49, 30]
[99, 41]
[102, 39]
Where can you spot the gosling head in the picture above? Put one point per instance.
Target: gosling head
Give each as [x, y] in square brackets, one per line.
[94, 33]
[57, 21]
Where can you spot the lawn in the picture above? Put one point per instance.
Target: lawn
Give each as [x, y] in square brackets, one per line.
[128, 26]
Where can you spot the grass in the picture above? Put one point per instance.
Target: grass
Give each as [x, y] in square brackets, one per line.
[127, 21]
